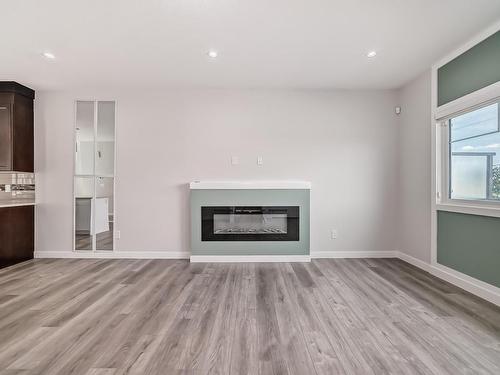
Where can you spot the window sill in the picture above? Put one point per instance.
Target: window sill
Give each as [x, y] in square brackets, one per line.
[469, 209]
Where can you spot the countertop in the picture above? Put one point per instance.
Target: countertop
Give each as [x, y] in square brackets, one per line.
[16, 203]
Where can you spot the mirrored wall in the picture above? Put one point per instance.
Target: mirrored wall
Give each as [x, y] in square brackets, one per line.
[94, 179]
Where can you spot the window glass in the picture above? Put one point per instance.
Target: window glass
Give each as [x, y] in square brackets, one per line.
[475, 155]
[476, 123]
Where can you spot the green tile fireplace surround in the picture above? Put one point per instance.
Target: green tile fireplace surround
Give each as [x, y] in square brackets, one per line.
[205, 194]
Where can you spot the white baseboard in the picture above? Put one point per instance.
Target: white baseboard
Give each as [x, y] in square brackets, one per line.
[113, 254]
[353, 254]
[477, 287]
[210, 258]
[414, 261]
[249, 258]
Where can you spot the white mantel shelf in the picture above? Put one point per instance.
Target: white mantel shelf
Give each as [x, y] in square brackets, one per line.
[215, 185]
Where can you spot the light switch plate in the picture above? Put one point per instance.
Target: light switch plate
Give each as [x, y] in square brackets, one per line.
[235, 160]
[260, 160]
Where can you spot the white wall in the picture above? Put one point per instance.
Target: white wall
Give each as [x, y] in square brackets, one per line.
[415, 168]
[344, 142]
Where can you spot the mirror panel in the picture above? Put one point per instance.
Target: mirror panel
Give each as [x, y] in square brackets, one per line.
[105, 143]
[104, 213]
[84, 233]
[84, 138]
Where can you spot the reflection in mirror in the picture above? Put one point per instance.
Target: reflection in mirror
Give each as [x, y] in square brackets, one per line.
[104, 213]
[84, 192]
[105, 142]
[84, 137]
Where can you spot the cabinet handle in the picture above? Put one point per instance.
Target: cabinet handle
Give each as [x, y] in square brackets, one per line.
[3, 107]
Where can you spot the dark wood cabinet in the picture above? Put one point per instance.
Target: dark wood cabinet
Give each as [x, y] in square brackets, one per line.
[17, 240]
[16, 127]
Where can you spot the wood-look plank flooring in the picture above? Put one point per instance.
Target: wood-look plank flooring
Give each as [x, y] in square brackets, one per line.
[357, 316]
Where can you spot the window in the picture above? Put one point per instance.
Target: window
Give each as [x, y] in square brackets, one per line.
[474, 154]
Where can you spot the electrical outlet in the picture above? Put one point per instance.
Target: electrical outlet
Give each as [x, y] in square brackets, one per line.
[117, 234]
[334, 234]
[260, 160]
[235, 160]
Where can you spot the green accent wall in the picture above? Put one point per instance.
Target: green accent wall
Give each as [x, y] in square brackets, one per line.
[251, 197]
[470, 244]
[474, 69]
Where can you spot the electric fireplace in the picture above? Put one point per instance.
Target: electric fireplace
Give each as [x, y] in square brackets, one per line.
[250, 223]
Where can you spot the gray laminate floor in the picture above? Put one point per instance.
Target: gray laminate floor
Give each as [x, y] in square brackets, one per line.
[108, 317]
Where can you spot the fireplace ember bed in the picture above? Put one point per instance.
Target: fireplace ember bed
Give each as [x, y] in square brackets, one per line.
[250, 223]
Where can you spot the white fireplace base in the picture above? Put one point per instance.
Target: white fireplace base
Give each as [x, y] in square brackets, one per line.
[249, 258]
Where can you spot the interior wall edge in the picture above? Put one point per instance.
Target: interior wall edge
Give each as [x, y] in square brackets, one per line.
[413, 232]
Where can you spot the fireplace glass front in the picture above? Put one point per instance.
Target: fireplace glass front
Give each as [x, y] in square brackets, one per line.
[256, 223]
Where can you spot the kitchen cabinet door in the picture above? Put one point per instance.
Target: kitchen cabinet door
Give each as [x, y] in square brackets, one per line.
[17, 234]
[5, 135]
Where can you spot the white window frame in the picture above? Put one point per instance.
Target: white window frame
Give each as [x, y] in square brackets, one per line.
[443, 164]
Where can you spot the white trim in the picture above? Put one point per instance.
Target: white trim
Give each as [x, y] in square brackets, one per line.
[468, 101]
[474, 286]
[435, 166]
[250, 185]
[414, 261]
[239, 258]
[113, 254]
[249, 258]
[353, 254]
[477, 287]
[469, 209]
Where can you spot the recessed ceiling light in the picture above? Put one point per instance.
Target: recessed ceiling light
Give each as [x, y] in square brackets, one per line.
[49, 55]
[371, 54]
[212, 54]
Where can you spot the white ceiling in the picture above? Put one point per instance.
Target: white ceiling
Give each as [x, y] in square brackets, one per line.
[261, 43]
